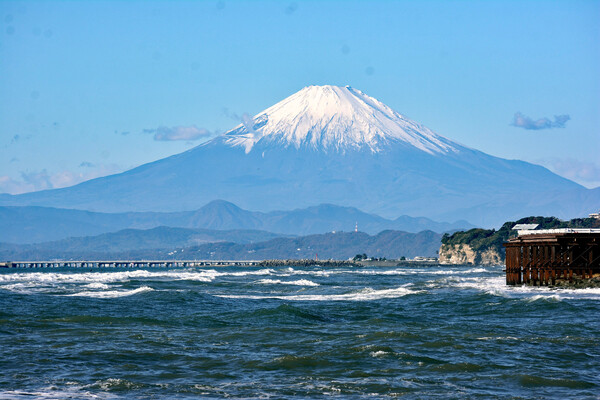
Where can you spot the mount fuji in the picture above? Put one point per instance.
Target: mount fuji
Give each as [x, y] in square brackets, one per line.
[329, 144]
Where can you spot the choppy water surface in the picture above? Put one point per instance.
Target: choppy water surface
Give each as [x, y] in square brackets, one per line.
[431, 332]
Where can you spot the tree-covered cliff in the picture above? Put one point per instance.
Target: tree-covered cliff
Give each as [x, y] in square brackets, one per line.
[475, 245]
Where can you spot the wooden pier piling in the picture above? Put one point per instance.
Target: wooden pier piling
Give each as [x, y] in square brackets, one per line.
[541, 258]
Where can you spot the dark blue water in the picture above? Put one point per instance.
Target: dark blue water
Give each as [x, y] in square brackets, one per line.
[431, 332]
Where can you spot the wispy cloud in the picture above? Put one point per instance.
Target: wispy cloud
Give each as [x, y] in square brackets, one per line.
[9, 185]
[31, 181]
[523, 121]
[245, 119]
[39, 180]
[248, 122]
[192, 132]
[583, 172]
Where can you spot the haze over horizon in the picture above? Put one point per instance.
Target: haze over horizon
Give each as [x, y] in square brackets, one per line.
[94, 88]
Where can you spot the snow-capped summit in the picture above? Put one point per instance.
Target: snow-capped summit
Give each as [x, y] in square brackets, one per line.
[334, 118]
[333, 145]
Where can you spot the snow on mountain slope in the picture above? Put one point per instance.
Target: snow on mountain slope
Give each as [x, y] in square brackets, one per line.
[335, 145]
[335, 118]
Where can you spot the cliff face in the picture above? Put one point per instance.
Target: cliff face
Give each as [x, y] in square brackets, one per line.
[484, 246]
[464, 254]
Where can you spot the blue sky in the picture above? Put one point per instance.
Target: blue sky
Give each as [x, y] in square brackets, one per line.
[87, 88]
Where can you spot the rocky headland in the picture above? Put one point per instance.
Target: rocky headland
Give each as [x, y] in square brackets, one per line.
[485, 246]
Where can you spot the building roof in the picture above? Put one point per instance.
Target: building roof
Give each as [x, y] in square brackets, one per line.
[525, 227]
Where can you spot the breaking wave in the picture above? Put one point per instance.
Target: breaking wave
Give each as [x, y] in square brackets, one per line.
[497, 286]
[299, 282]
[112, 293]
[366, 294]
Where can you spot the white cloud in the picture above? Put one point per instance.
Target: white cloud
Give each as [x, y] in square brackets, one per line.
[583, 172]
[32, 181]
[191, 132]
[9, 185]
[523, 121]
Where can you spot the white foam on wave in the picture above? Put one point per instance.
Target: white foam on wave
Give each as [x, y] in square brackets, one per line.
[383, 271]
[266, 271]
[105, 277]
[461, 271]
[314, 272]
[299, 282]
[451, 272]
[546, 297]
[379, 353]
[97, 285]
[28, 288]
[54, 394]
[28, 282]
[366, 294]
[498, 338]
[109, 294]
[398, 271]
[497, 286]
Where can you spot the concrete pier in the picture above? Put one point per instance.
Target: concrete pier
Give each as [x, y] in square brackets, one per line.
[127, 264]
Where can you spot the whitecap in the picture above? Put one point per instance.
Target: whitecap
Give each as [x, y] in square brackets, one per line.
[299, 282]
[498, 338]
[395, 271]
[367, 294]
[497, 286]
[97, 285]
[545, 297]
[105, 277]
[314, 272]
[455, 271]
[378, 353]
[54, 394]
[111, 293]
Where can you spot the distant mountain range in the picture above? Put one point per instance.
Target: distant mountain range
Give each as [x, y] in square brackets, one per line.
[174, 243]
[127, 240]
[43, 224]
[332, 145]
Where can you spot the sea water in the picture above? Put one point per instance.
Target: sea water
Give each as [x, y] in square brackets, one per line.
[428, 332]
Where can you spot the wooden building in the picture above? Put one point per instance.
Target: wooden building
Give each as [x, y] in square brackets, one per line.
[545, 256]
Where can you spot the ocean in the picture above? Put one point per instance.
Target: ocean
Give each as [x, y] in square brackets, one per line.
[431, 332]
